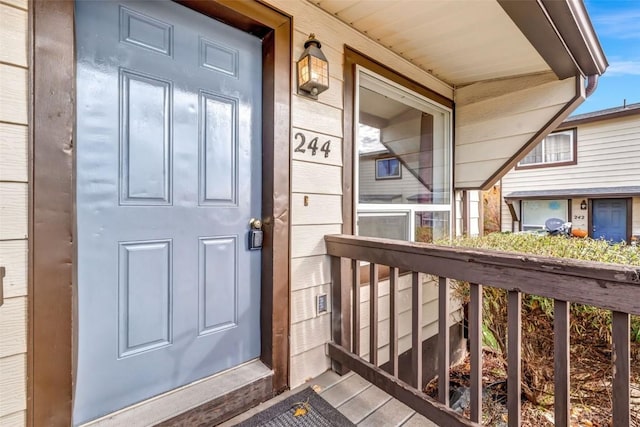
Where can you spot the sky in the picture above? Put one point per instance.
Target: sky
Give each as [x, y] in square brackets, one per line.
[617, 24]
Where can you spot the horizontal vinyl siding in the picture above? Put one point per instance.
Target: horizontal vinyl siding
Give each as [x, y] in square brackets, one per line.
[495, 119]
[406, 186]
[13, 209]
[429, 315]
[316, 180]
[608, 155]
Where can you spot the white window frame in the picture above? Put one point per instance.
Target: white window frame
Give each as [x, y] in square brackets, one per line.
[371, 209]
[544, 163]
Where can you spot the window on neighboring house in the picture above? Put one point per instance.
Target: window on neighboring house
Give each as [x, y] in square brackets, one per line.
[403, 163]
[388, 168]
[536, 212]
[557, 149]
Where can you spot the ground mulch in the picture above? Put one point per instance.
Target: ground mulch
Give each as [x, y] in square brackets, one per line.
[591, 398]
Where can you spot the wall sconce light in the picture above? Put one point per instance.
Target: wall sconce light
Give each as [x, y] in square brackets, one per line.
[313, 69]
[583, 205]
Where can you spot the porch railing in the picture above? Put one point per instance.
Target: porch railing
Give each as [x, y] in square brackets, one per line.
[607, 286]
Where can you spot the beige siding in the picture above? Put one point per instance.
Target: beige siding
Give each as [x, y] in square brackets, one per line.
[13, 152]
[495, 119]
[608, 156]
[408, 185]
[429, 315]
[13, 35]
[13, 210]
[13, 396]
[318, 179]
[13, 340]
[17, 419]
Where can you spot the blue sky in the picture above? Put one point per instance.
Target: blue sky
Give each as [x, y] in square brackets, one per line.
[617, 23]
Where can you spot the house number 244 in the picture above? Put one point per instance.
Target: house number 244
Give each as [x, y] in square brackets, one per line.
[312, 146]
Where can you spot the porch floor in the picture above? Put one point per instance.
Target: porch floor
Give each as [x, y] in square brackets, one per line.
[360, 401]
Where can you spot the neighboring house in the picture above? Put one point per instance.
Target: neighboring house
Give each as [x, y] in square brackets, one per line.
[586, 172]
[138, 140]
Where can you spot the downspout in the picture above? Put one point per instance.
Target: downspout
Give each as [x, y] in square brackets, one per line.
[592, 84]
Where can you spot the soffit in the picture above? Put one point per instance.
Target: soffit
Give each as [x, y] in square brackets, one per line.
[459, 42]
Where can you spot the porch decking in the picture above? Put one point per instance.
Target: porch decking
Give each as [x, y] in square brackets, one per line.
[360, 401]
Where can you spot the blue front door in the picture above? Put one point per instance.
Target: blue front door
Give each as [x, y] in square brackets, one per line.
[168, 175]
[610, 219]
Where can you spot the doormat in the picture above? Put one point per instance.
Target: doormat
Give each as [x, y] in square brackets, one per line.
[305, 408]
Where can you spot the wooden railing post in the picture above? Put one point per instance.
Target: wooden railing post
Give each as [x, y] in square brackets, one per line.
[416, 330]
[373, 314]
[394, 278]
[340, 307]
[514, 362]
[561, 362]
[355, 306]
[443, 340]
[475, 335]
[621, 369]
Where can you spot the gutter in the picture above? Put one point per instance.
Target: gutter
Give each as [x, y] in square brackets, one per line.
[592, 84]
[562, 33]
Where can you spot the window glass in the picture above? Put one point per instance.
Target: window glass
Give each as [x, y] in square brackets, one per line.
[388, 168]
[382, 224]
[557, 147]
[403, 162]
[536, 212]
[431, 226]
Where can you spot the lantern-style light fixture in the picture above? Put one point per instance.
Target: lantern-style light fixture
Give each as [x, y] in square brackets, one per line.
[313, 69]
[583, 205]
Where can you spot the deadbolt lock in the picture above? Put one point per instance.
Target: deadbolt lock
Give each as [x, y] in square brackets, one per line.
[255, 235]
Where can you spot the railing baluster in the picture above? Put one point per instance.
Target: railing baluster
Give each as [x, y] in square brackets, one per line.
[393, 321]
[514, 372]
[443, 340]
[355, 290]
[373, 314]
[561, 362]
[475, 335]
[621, 369]
[416, 330]
[340, 309]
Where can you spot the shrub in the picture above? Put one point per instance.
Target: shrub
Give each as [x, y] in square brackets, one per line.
[590, 326]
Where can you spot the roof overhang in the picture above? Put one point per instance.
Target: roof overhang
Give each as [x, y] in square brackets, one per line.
[591, 192]
[601, 115]
[467, 41]
[517, 68]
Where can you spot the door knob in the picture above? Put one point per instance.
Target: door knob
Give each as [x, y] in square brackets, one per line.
[255, 224]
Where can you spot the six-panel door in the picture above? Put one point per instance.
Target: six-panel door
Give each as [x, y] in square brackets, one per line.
[168, 168]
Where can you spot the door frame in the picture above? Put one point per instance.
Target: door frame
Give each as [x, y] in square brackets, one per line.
[51, 263]
[629, 225]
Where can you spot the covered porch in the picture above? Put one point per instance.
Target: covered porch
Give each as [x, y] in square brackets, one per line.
[606, 286]
[370, 393]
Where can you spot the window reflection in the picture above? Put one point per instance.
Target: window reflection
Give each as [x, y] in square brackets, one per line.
[404, 163]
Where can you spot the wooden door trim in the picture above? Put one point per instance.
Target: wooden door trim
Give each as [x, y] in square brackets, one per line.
[51, 358]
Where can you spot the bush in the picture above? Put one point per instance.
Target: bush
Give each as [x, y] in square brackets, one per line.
[555, 246]
[590, 326]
